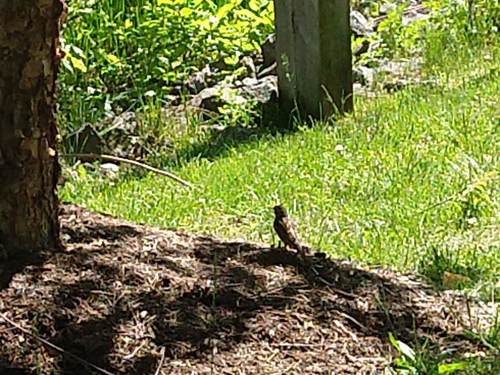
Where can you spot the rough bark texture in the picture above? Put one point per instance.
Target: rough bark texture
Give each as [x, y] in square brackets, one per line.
[29, 57]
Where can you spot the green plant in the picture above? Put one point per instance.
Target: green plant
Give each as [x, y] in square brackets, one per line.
[491, 337]
[475, 200]
[118, 51]
[395, 38]
[422, 361]
[469, 21]
[440, 264]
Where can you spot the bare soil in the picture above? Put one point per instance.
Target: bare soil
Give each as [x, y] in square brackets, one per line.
[133, 299]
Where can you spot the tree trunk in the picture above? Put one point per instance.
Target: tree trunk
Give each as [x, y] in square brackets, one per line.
[29, 58]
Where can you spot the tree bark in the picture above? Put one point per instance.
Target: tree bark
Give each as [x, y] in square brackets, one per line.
[29, 59]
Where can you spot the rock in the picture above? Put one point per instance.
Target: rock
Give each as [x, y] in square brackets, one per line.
[363, 75]
[395, 75]
[261, 90]
[415, 14]
[270, 70]
[125, 122]
[199, 80]
[359, 24]
[118, 136]
[213, 98]
[121, 136]
[230, 95]
[109, 169]
[248, 63]
[208, 99]
[386, 8]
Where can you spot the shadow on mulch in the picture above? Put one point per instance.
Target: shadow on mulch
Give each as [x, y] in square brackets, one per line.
[121, 296]
[12, 267]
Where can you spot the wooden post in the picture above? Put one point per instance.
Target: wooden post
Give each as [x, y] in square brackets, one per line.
[313, 48]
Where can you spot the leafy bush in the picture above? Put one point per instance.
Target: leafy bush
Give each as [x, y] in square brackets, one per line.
[422, 360]
[467, 19]
[119, 50]
[465, 22]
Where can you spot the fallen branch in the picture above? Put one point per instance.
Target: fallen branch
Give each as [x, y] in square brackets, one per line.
[128, 161]
[55, 347]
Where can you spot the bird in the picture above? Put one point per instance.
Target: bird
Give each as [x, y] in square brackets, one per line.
[285, 229]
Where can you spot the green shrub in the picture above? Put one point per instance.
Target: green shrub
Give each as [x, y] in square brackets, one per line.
[118, 50]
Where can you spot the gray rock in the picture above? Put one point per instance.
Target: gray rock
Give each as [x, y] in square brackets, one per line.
[249, 64]
[208, 99]
[415, 14]
[109, 169]
[385, 8]
[262, 90]
[363, 75]
[360, 26]
[199, 80]
[270, 70]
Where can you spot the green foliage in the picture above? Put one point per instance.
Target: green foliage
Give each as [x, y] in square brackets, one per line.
[410, 180]
[119, 50]
[472, 20]
[476, 201]
[490, 338]
[456, 21]
[468, 23]
[397, 39]
[381, 186]
[438, 263]
[422, 361]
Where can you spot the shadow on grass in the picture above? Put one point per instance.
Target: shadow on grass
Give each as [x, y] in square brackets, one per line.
[220, 140]
[120, 294]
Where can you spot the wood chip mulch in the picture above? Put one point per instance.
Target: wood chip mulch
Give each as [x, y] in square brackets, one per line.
[132, 299]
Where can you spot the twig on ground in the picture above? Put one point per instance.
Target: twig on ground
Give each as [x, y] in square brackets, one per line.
[135, 351]
[332, 286]
[297, 345]
[350, 318]
[55, 347]
[162, 359]
[128, 161]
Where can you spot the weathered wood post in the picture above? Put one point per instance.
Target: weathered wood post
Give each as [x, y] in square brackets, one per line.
[313, 48]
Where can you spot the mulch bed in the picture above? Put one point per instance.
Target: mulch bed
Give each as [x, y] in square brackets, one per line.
[132, 299]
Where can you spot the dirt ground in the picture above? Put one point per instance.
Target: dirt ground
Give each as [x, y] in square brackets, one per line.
[132, 299]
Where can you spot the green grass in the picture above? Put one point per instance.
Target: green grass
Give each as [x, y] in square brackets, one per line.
[408, 173]
[410, 181]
